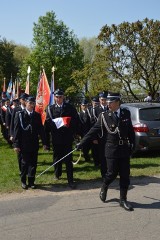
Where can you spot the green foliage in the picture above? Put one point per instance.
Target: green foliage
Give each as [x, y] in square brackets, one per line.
[53, 45]
[8, 64]
[133, 52]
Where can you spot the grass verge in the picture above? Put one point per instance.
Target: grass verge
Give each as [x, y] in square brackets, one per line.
[144, 165]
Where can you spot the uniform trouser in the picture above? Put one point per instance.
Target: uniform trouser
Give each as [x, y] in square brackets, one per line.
[86, 150]
[19, 158]
[59, 151]
[117, 166]
[28, 167]
[95, 154]
[102, 158]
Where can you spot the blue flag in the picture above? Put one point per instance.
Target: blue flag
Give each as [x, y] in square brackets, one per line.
[51, 101]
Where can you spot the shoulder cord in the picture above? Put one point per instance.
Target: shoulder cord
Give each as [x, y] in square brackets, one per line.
[9, 110]
[25, 129]
[94, 114]
[88, 113]
[49, 112]
[108, 129]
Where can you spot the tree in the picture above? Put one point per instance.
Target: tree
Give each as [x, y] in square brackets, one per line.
[53, 45]
[94, 77]
[21, 52]
[133, 52]
[11, 59]
[7, 61]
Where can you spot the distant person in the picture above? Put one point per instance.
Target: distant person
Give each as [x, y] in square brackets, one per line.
[27, 129]
[157, 99]
[148, 98]
[84, 127]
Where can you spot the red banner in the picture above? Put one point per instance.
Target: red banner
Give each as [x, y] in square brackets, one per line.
[43, 96]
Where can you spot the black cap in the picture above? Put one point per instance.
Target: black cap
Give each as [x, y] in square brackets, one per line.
[24, 96]
[84, 102]
[113, 96]
[95, 99]
[58, 92]
[31, 99]
[6, 99]
[3, 100]
[103, 95]
[15, 100]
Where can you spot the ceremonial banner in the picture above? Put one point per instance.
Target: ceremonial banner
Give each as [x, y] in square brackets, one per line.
[4, 85]
[27, 81]
[9, 89]
[43, 96]
[51, 101]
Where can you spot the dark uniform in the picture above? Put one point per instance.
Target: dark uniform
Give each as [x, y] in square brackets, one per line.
[62, 136]
[4, 110]
[84, 128]
[93, 119]
[22, 97]
[27, 130]
[119, 138]
[101, 155]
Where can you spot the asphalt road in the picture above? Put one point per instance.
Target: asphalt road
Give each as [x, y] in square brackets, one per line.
[58, 213]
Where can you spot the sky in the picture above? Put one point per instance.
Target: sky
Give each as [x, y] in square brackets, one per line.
[84, 17]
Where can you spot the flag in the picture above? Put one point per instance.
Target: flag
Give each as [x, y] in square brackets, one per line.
[13, 93]
[62, 121]
[18, 88]
[27, 85]
[51, 100]
[9, 89]
[43, 96]
[27, 81]
[4, 85]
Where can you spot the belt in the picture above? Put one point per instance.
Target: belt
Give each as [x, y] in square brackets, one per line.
[119, 142]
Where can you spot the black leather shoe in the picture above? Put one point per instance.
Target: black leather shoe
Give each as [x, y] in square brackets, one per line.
[103, 192]
[127, 206]
[72, 185]
[32, 186]
[24, 186]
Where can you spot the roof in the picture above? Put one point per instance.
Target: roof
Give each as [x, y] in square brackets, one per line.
[141, 104]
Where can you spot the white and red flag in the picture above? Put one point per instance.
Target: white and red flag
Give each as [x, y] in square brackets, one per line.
[62, 121]
[27, 81]
[43, 96]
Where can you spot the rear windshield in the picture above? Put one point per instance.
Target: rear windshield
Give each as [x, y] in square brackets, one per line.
[149, 114]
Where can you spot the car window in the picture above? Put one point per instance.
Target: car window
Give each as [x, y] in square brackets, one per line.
[149, 114]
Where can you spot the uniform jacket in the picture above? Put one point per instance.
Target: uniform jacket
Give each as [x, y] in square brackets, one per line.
[99, 110]
[3, 113]
[14, 111]
[112, 147]
[8, 116]
[84, 122]
[63, 135]
[27, 131]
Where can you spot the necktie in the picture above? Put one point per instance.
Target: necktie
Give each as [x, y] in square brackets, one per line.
[116, 115]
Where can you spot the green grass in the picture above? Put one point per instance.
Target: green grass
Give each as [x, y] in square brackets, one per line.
[146, 165]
